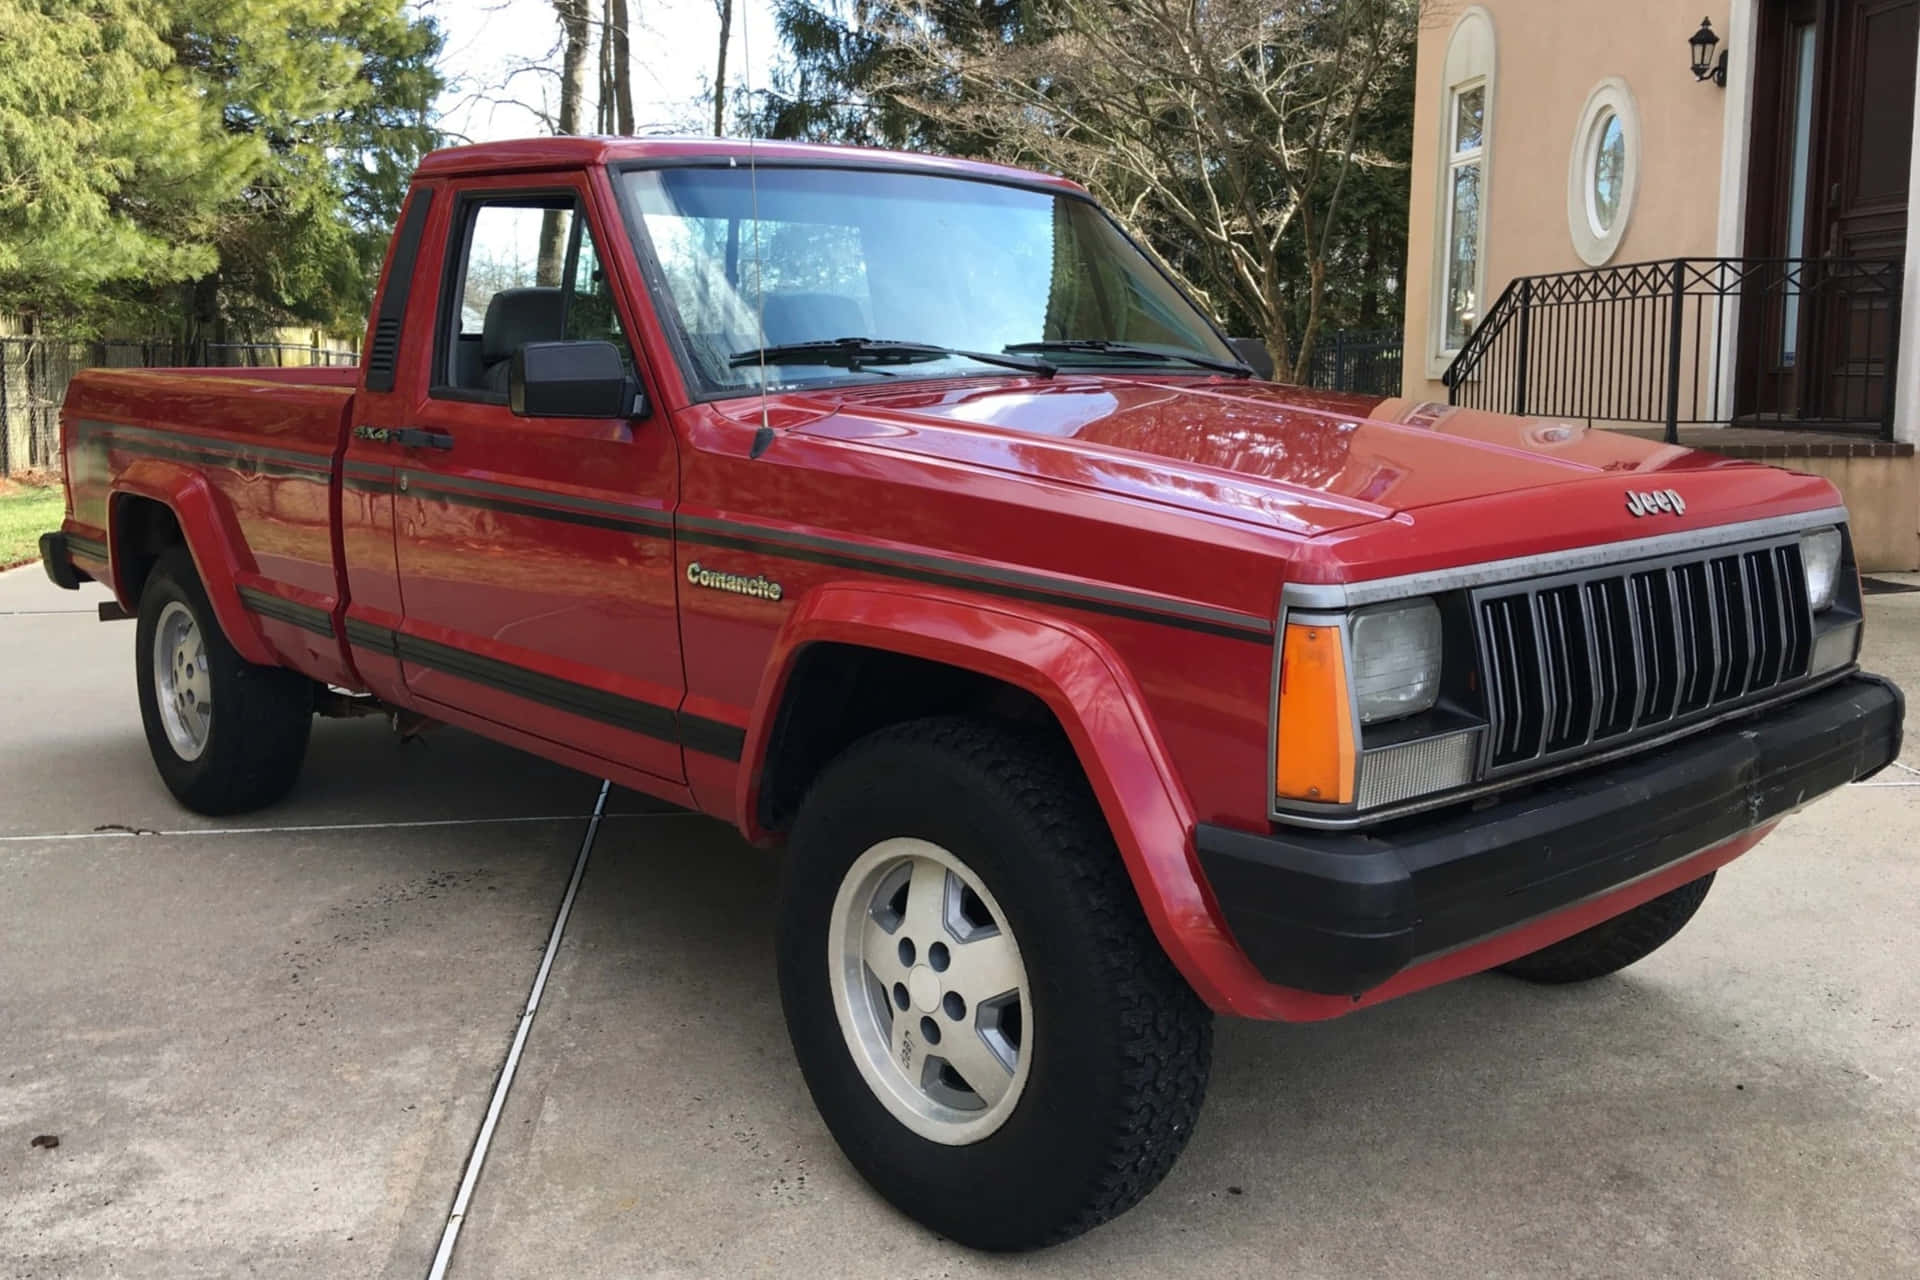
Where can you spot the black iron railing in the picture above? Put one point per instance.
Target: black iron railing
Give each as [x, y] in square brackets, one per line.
[1789, 342]
[35, 371]
[1364, 360]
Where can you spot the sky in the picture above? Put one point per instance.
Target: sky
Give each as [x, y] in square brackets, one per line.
[491, 44]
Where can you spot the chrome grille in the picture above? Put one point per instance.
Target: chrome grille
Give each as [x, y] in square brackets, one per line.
[1609, 655]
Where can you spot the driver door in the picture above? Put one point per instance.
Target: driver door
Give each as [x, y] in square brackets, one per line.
[535, 555]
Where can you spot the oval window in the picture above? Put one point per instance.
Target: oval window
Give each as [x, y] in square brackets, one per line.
[1607, 174]
[1602, 164]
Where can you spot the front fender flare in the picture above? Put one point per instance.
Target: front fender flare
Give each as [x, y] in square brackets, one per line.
[1093, 696]
[219, 552]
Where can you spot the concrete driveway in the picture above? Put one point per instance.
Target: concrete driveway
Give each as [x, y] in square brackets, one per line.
[266, 1045]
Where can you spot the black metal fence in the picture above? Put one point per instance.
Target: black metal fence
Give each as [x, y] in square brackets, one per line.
[1364, 360]
[34, 373]
[1787, 342]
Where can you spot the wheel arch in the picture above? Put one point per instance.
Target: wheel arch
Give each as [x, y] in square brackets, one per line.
[1030, 664]
[156, 505]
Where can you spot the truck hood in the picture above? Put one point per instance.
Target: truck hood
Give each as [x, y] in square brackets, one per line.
[1293, 458]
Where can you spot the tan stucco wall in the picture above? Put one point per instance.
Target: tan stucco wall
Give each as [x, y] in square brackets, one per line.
[1550, 56]
[1883, 506]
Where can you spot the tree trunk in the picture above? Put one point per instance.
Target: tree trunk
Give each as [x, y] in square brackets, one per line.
[1310, 331]
[622, 67]
[204, 324]
[603, 113]
[725, 8]
[576, 31]
[1273, 332]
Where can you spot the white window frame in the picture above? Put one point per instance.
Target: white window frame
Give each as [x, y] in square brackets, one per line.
[1470, 63]
[1610, 99]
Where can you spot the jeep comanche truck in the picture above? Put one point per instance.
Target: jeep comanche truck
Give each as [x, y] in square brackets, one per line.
[905, 514]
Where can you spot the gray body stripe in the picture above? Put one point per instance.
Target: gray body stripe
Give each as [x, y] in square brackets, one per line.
[305, 616]
[206, 444]
[520, 493]
[1245, 624]
[1143, 606]
[652, 720]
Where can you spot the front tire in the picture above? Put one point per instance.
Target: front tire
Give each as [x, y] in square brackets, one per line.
[980, 1009]
[227, 736]
[1612, 945]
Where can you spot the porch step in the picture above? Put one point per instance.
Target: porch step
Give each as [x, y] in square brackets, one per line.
[1774, 444]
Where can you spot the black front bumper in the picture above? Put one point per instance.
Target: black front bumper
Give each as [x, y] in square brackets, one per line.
[1341, 912]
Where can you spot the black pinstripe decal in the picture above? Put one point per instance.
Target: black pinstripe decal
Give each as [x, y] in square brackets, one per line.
[304, 616]
[1012, 584]
[649, 522]
[665, 724]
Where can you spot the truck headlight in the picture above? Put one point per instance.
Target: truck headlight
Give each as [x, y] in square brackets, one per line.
[1396, 659]
[1820, 558]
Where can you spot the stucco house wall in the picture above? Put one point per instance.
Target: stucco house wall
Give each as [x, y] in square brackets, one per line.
[1548, 59]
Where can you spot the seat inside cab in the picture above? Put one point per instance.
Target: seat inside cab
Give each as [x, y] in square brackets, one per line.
[535, 313]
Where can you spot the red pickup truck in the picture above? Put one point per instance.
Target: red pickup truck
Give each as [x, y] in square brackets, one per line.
[905, 513]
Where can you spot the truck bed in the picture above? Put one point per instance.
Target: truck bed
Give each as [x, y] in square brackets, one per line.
[258, 448]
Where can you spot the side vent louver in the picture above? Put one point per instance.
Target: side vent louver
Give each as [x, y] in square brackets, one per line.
[383, 354]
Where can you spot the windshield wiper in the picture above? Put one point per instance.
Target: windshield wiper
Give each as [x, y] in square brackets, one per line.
[1130, 351]
[860, 353]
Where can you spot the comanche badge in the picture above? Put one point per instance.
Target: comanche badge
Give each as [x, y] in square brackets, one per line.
[1655, 502]
[759, 586]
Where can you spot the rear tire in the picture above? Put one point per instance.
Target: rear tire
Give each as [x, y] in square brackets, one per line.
[1614, 944]
[227, 736]
[1105, 1049]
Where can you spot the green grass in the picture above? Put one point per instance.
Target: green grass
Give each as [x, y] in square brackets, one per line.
[26, 512]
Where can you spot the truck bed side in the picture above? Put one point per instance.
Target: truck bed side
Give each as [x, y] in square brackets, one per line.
[246, 464]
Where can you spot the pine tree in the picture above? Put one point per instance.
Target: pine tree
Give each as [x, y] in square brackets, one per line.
[205, 167]
[109, 164]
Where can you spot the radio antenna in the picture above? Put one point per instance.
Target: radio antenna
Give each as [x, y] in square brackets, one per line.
[762, 438]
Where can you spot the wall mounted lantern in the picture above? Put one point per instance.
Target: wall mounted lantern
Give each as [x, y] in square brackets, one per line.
[1703, 42]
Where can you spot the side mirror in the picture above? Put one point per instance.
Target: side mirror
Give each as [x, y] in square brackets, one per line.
[1254, 354]
[572, 380]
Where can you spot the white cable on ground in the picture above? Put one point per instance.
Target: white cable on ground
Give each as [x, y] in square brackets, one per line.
[478, 1156]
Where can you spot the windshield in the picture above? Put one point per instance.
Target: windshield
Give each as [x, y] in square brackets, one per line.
[900, 257]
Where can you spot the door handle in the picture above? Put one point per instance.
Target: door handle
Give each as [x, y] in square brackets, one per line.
[418, 438]
[405, 437]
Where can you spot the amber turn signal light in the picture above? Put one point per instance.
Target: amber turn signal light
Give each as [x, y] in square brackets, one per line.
[1314, 757]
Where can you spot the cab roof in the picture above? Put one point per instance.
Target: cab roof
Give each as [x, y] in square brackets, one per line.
[569, 152]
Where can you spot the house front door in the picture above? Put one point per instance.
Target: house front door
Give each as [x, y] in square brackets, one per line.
[1827, 208]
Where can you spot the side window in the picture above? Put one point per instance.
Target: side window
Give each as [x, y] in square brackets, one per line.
[591, 313]
[528, 271]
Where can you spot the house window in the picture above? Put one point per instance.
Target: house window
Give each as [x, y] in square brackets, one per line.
[1606, 169]
[1602, 171]
[1465, 183]
[1463, 151]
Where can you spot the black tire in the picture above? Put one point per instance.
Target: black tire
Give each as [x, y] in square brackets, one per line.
[1614, 944]
[257, 737]
[1121, 1046]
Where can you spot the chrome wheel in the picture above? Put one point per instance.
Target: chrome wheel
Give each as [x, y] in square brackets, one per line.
[182, 688]
[930, 991]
